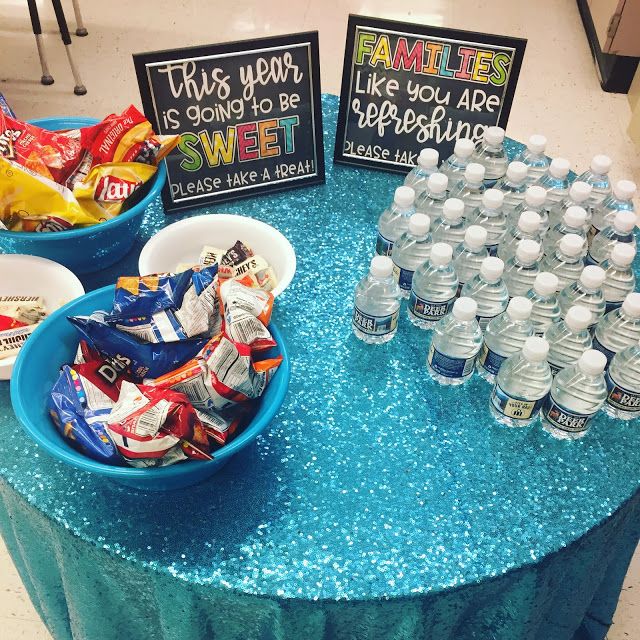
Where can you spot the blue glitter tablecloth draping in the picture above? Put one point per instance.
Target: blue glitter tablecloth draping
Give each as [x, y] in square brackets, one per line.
[376, 506]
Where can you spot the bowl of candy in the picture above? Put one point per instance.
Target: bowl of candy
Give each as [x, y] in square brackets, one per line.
[30, 288]
[242, 246]
[75, 190]
[154, 383]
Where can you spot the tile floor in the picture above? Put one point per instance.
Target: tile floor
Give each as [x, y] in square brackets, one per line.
[558, 95]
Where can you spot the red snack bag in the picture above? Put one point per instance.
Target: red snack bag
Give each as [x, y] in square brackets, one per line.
[105, 373]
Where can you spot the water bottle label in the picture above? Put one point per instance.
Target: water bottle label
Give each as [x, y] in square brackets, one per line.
[492, 249]
[375, 325]
[403, 277]
[426, 310]
[590, 260]
[491, 360]
[621, 398]
[515, 408]
[564, 419]
[607, 352]
[383, 245]
[610, 306]
[448, 366]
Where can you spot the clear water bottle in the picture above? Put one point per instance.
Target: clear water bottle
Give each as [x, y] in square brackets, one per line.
[579, 193]
[619, 276]
[619, 328]
[410, 251]
[490, 153]
[587, 292]
[504, 336]
[377, 303]
[623, 384]
[433, 289]
[453, 167]
[577, 394]
[394, 220]
[521, 270]
[522, 384]
[556, 181]
[597, 175]
[622, 230]
[620, 200]
[535, 199]
[488, 289]
[431, 200]
[528, 228]
[573, 221]
[455, 345]
[513, 185]
[567, 262]
[569, 338]
[534, 158]
[451, 227]
[490, 216]
[470, 188]
[468, 256]
[544, 299]
[418, 176]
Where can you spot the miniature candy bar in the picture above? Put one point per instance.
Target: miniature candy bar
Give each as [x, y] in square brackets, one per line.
[25, 309]
[12, 340]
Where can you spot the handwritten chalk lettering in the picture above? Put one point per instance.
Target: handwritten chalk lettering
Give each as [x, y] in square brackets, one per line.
[288, 101]
[263, 106]
[241, 178]
[366, 151]
[277, 70]
[291, 170]
[427, 93]
[375, 84]
[170, 118]
[219, 112]
[196, 187]
[406, 157]
[184, 78]
[477, 99]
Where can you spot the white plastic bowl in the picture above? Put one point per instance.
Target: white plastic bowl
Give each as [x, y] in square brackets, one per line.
[33, 276]
[182, 242]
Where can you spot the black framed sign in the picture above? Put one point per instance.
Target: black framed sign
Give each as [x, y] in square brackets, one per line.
[407, 86]
[249, 115]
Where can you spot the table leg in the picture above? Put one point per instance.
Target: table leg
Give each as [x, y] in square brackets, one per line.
[79, 88]
[80, 28]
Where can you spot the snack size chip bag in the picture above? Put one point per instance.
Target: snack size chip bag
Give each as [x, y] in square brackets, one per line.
[218, 427]
[145, 295]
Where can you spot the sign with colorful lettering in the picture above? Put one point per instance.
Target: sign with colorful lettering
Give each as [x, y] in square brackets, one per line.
[406, 87]
[248, 113]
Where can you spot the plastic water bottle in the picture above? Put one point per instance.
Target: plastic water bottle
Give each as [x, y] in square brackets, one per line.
[513, 185]
[377, 303]
[587, 292]
[577, 394]
[620, 231]
[528, 228]
[469, 255]
[620, 200]
[522, 384]
[567, 261]
[556, 181]
[490, 216]
[569, 338]
[451, 227]
[572, 222]
[521, 270]
[410, 251]
[535, 199]
[394, 220]
[623, 384]
[433, 289]
[544, 299]
[453, 167]
[455, 345]
[490, 153]
[470, 188]
[619, 328]
[533, 156]
[579, 193]
[619, 277]
[488, 289]
[418, 176]
[431, 200]
[504, 336]
[597, 176]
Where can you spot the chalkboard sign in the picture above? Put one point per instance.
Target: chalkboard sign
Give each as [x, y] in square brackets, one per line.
[248, 112]
[406, 87]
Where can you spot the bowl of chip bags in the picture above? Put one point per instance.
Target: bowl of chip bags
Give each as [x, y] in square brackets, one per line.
[75, 190]
[155, 383]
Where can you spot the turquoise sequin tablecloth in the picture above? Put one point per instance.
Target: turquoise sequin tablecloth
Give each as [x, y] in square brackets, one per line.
[377, 506]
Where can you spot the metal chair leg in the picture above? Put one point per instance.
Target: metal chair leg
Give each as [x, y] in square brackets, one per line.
[46, 77]
[80, 28]
[79, 88]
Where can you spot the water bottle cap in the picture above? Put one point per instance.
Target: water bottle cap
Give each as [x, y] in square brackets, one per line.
[491, 268]
[519, 308]
[428, 158]
[624, 189]
[464, 148]
[535, 349]
[493, 136]
[592, 277]
[517, 171]
[537, 143]
[453, 209]
[441, 254]
[624, 221]
[578, 318]
[592, 362]
[492, 199]
[475, 236]
[437, 183]
[631, 305]
[623, 254]
[381, 266]
[529, 221]
[601, 164]
[546, 283]
[571, 244]
[580, 191]
[419, 224]
[465, 308]
[574, 217]
[535, 196]
[404, 196]
[528, 251]
[474, 172]
[559, 167]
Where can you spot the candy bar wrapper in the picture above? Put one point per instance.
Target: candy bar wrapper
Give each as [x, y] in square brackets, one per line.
[240, 261]
[210, 256]
[11, 340]
[24, 309]
[7, 322]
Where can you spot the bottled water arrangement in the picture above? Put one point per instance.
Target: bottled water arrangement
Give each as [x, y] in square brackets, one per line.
[522, 275]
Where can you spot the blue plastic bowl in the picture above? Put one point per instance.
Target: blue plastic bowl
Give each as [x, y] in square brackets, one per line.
[55, 342]
[91, 248]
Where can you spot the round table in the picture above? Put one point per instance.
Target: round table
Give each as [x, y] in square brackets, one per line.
[378, 505]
